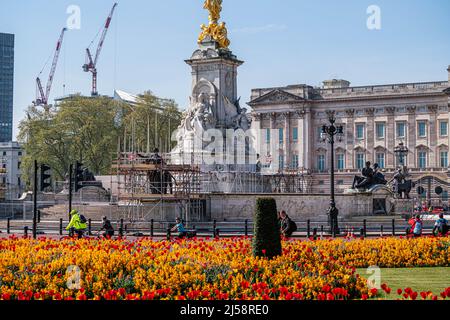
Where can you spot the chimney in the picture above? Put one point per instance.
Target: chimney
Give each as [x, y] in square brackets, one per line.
[336, 84]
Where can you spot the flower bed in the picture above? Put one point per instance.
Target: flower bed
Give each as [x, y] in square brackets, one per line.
[202, 269]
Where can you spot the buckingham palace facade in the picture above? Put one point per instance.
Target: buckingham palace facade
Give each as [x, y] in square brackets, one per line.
[376, 119]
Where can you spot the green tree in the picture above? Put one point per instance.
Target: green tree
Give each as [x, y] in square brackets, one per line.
[149, 124]
[93, 130]
[79, 128]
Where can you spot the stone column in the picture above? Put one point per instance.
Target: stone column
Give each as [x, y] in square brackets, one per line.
[308, 142]
[390, 137]
[287, 139]
[412, 137]
[301, 139]
[273, 141]
[432, 157]
[350, 134]
[370, 135]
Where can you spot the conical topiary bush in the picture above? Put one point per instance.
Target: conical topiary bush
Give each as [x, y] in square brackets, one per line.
[266, 237]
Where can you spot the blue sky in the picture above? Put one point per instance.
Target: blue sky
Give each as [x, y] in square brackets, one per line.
[282, 42]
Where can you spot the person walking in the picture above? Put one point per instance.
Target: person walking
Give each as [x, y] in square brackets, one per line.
[77, 224]
[418, 227]
[441, 225]
[288, 227]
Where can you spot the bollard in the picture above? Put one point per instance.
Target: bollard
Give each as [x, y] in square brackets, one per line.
[152, 225]
[8, 226]
[382, 231]
[365, 228]
[321, 232]
[25, 231]
[217, 233]
[39, 216]
[168, 234]
[362, 233]
[308, 229]
[214, 228]
[61, 227]
[246, 228]
[393, 227]
[121, 224]
[90, 227]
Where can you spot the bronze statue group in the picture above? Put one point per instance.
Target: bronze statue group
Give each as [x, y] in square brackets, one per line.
[372, 176]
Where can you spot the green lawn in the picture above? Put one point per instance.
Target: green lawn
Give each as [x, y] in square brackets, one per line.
[418, 279]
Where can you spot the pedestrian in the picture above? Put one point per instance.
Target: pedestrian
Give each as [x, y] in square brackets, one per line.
[107, 227]
[418, 227]
[441, 225]
[288, 227]
[179, 227]
[77, 224]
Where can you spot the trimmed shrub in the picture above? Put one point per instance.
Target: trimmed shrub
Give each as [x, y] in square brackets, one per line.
[266, 237]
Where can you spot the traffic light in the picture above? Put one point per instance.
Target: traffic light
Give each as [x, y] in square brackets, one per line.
[45, 177]
[78, 176]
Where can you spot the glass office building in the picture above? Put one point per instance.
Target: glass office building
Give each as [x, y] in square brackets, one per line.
[6, 86]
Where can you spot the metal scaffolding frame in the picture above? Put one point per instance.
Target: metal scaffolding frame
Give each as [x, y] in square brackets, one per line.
[146, 186]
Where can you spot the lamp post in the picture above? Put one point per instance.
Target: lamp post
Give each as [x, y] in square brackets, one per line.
[401, 151]
[329, 133]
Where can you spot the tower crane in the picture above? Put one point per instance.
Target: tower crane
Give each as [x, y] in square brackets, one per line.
[91, 64]
[41, 95]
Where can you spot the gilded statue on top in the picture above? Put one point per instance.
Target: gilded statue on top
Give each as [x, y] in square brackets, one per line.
[217, 31]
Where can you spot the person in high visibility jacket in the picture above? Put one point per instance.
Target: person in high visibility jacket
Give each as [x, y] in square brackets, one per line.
[77, 224]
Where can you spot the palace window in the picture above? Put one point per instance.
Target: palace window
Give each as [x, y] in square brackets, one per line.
[340, 161]
[381, 160]
[320, 134]
[267, 135]
[294, 161]
[281, 135]
[401, 130]
[321, 163]
[422, 129]
[380, 128]
[444, 159]
[422, 159]
[360, 131]
[443, 128]
[281, 162]
[295, 134]
[360, 161]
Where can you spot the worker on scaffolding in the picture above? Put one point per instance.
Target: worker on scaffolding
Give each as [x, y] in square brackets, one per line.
[156, 175]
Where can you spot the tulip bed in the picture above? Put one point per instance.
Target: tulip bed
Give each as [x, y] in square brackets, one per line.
[205, 269]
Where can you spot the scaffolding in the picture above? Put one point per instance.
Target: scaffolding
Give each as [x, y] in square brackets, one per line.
[149, 186]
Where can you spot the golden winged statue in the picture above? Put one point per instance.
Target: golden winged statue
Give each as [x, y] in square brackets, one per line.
[217, 31]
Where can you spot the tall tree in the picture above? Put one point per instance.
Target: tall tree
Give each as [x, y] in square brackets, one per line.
[88, 130]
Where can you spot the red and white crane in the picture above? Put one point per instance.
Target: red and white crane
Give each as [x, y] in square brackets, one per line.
[41, 95]
[91, 64]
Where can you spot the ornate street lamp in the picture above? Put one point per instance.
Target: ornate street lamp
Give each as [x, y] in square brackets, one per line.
[329, 133]
[401, 151]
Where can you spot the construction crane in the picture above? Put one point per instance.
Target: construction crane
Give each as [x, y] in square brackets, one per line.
[91, 64]
[41, 95]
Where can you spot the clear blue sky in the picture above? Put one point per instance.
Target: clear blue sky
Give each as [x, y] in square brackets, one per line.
[282, 41]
